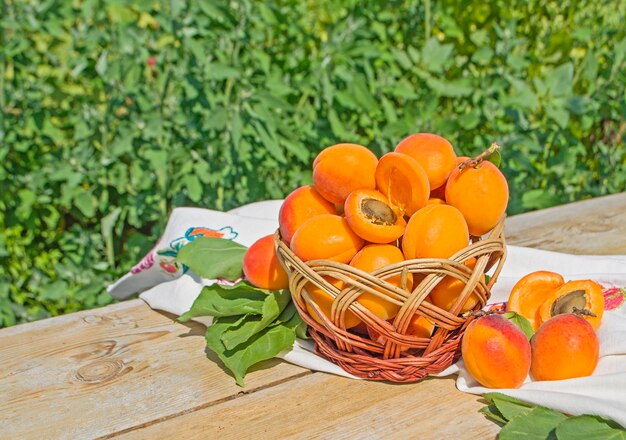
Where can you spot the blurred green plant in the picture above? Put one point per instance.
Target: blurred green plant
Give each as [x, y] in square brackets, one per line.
[113, 112]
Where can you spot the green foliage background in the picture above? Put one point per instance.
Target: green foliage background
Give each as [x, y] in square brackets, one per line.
[97, 146]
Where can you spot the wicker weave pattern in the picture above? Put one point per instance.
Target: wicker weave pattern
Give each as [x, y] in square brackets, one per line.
[395, 356]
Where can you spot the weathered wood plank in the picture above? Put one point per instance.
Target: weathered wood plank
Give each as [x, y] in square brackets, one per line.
[92, 373]
[324, 406]
[596, 226]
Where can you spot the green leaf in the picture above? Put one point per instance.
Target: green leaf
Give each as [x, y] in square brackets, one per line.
[85, 203]
[435, 55]
[491, 412]
[213, 258]
[559, 81]
[275, 302]
[264, 345]
[495, 158]
[536, 424]
[102, 64]
[589, 427]
[217, 300]
[521, 322]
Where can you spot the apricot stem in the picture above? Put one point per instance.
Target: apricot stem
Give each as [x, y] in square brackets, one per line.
[478, 159]
[583, 312]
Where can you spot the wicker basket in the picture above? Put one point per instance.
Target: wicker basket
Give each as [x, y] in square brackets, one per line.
[395, 356]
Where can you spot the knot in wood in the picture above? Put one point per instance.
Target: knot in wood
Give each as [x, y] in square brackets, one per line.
[99, 371]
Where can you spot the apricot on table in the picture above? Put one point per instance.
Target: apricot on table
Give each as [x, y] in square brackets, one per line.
[580, 295]
[403, 182]
[435, 231]
[496, 352]
[261, 266]
[564, 347]
[372, 218]
[325, 302]
[340, 169]
[434, 153]
[326, 237]
[371, 258]
[530, 292]
[481, 193]
[299, 206]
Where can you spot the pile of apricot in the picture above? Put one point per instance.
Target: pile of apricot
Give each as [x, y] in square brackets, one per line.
[419, 201]
[564, 316]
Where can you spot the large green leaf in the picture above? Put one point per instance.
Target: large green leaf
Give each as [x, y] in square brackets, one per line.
[213, 257]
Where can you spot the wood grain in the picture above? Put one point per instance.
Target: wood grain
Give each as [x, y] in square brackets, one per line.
[96, 372]
[125, 370]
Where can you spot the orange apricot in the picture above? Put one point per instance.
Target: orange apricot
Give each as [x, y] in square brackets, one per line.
[326, 237]
[434, 153]
[530, 292]
[564, 347]
[403, 181]
[435, 231]
[372, 218]
[340, 169]
[325, 302]
[445, 294]
[420, 326]
[371, 258]
[496, 352]
[583, 295]
[435, 201]
[299, 206]
[261, 266]
[481, 193]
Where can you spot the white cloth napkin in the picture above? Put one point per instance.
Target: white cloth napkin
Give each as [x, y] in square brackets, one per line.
[166, 287]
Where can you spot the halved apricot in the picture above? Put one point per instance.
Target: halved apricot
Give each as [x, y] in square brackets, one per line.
[573, 297]
[326, 237]
[435, 231]
[434, 153]
[403, 181]
[340, 169]
[372, 218]
[371, 258]
[530, 292]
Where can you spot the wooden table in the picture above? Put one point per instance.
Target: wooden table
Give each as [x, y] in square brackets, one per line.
[128, 371]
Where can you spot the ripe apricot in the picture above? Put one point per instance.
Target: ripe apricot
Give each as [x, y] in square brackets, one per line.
[325, 303]
[434, 153]
[564, 347]
[420, 326]
[403, 181]
[340, 169]
[299, 206]
[445, 294]
[326, 237]
[377, 256]
[435, 231]
[435, 201]
[261, 265]
[481, 193]
[580, 294]
[372, 218]
[496, 352]
[530, 292]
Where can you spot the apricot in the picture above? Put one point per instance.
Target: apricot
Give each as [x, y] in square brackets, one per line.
[403, 181]
[299, 206]
[581, 295]
[371, 258]
[325, 302]
[445, 294]
[530, 292]
[434, 153]
[496, 352]
[435, 201]
[435, 231]
[340, 169]
[420, 326]
[261, 266]
[372, 218]
[481, 193]
[326, 237]
[564, 347]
